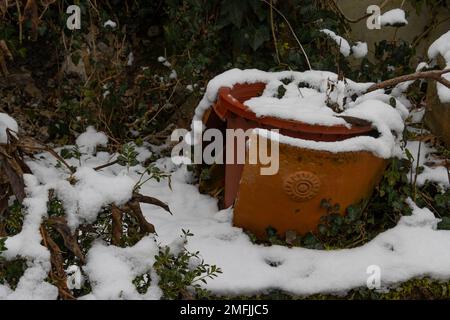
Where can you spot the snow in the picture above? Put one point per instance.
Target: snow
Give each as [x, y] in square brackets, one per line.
[301, 271]
[110, 23]
[360, 50]
[442, 47]
[74, 277]
[89, 140]
[309, 105]
[414, 248]
[130, 59]
[431, 173]
[393, 17]
[92, 191]
[408, 250]
[312, 102]
[173, 75]
[343, 45]
[384, 117]
[27, 245]
[421, 66]
[6, 122]
[112, 269]
[319, 80]
[417, 115]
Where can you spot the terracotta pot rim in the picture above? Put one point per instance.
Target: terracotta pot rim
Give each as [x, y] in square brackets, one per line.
[228, 102]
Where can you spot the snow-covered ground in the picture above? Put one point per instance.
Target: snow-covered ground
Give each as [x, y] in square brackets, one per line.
[414, 248]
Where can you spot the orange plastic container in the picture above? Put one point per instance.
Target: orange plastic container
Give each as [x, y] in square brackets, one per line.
[290, 199]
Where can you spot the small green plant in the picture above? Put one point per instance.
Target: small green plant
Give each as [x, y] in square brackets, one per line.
[10, 270]
[142, 282]
[153, 172]
[55, 207]
[2, 245]
[13, 219]
[127, 156]
[181, 274]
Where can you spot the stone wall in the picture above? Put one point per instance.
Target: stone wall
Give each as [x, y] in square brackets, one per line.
[437, 116]
[417, 23]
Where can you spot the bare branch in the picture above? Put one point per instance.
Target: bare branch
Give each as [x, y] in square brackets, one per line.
[432, 75]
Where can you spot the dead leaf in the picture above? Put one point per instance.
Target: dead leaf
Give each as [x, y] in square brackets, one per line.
[150, 200]
[116, 225]
[70, 241]
[12, 170]
[57, 273]
[30, 12]
[133, 208]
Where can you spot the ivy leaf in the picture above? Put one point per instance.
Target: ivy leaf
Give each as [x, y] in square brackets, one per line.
[353, 213]
[444, 224]
[2, 244]
[233, 11]
[259, 9]
[260, 36]
[393, 102]
[409, 155]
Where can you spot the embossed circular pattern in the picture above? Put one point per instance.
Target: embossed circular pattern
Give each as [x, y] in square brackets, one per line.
[301, 186]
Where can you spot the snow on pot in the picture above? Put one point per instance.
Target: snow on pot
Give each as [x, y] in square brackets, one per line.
[334, 144]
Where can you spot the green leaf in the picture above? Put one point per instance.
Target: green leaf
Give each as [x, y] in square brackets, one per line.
[444, 224]
[233, 11]
[260, 36]
[409, 155]
[2, 244]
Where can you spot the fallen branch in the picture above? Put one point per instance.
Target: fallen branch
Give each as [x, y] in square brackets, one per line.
[117, 230]
[57, 272]
[59, 224]
[134, 209]
[432, 75]
[103, 166]
[30, 145]
[150, 200]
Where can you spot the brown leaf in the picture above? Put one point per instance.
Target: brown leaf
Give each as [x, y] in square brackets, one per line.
[14, 173]
[29, 145]
[116, 225]
[4, 196]
[134, 208]
[57, 273]
[427, 138]
[31, 12]
[70, 240]
[4, 48]
[150, 200]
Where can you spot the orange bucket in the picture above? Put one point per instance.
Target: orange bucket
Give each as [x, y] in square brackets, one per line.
[290, 200]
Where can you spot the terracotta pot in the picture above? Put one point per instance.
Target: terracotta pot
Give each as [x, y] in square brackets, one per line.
[291, 199]
[276, 201]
